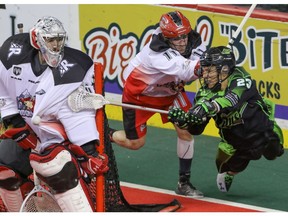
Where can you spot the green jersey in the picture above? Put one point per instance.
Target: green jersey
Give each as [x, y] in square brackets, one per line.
[244, 117]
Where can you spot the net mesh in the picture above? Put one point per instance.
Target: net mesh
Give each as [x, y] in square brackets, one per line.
[40, 201]
[114, 198]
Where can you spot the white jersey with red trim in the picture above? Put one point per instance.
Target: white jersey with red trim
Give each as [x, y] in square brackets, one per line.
[162, 71]
[32, 89]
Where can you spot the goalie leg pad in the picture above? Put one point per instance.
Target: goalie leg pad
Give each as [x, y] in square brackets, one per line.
[12, 199]
[59, 169]
[9, 179]
[75, 200]
[12, 189]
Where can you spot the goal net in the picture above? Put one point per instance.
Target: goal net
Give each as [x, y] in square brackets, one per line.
[113, 198]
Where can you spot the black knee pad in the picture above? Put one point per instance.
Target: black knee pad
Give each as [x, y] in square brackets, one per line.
[10, 180]
[15, 157]
[65, 180]
[58, 168]
[273, 149]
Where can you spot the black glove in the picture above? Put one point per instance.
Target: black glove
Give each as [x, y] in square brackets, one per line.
[178, 117]
[203, 109]
[195, 119]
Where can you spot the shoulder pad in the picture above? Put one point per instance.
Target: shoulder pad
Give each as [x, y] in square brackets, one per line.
[73, 67]
[17, 50]
[195, 39]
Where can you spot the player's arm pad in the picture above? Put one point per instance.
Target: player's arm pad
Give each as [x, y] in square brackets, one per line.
[19, 131]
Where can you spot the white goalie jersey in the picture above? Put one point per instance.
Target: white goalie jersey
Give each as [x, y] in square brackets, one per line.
[33, 90]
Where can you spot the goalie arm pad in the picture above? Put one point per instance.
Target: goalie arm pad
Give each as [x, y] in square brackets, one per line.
[90, 160]
[19, 131]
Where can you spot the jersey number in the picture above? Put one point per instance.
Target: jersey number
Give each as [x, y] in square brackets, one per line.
[169, 54]
[244, 82]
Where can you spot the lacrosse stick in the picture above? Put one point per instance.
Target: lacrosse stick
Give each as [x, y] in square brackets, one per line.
[80, 99]
[39, 199]
[249, 12]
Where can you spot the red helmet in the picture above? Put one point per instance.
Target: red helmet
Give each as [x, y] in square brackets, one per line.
[174, 24]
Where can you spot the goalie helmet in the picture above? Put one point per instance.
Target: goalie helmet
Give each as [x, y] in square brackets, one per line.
[48, 35]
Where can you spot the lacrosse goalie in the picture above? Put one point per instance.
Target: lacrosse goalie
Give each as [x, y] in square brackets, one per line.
[38, 73]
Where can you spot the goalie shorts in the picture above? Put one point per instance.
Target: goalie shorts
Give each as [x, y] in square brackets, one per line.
[15, 157]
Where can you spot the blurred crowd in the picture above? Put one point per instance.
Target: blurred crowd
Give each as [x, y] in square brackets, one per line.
[271, 7]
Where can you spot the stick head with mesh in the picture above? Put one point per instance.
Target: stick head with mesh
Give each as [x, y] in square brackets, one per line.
[81, 100]
[40, 200]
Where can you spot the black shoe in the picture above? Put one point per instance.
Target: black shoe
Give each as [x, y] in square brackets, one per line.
[187, 189]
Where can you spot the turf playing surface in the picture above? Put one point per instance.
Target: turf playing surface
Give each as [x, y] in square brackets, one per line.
[136, 194]
[263, 184]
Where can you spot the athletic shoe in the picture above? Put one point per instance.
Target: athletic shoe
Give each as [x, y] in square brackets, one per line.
[187, 189]
[224, 181]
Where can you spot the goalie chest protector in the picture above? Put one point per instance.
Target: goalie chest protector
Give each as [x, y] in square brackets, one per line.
[17, 50]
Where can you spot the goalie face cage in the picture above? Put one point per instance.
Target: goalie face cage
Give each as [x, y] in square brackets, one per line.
[110, 194]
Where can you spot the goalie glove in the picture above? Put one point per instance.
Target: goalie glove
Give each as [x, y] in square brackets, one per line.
[203, 109]
[24, 136]
[94, 164]
[91, 164]
[178, 117]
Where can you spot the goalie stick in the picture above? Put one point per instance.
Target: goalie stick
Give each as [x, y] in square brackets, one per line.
[81, 99]
[39, 199]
